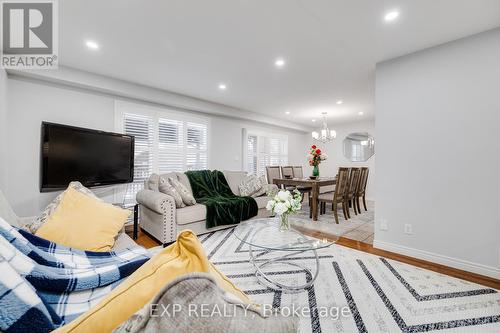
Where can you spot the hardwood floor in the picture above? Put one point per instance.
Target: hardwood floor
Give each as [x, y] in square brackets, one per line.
[458, 273]
[147, 241]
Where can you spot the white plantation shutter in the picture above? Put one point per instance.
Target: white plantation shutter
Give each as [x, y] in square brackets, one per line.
[141, 127]
[196, 146]
[170, 145]
[265, 150]
[274, 151]
[252, 154]
[164, 142]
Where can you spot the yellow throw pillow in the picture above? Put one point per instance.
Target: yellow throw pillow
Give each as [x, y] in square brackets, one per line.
[184, 256]
[84, 223]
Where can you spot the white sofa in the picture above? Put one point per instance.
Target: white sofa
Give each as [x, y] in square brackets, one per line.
[160, 218]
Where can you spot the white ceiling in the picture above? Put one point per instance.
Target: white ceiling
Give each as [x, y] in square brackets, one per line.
[330, 47]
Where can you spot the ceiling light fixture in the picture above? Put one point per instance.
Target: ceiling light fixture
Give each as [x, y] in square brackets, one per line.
[360, 113]
[222, 86]
[391, 16]
[325, 134]
[280, 62]
[287, 112]
[92, 45]
[340, 102]
[313, 120]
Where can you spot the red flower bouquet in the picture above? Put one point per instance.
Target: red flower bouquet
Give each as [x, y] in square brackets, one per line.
[315, 157]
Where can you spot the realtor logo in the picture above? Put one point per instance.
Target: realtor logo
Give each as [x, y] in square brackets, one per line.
[29, 34]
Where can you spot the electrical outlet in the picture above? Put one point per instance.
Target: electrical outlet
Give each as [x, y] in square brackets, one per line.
[408, 229]
[384, 225]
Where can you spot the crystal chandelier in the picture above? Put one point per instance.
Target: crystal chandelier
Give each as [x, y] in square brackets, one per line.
[325, 134]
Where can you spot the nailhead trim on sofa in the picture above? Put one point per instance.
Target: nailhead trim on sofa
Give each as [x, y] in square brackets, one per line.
[167, 215]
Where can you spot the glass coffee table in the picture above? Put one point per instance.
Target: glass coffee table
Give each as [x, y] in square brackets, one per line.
[264, 237]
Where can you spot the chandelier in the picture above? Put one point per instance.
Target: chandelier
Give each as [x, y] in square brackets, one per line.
[325, 134]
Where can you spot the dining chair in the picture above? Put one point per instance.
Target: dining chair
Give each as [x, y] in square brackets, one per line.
[298, 172]
[338, 196]
[287, 171]
[354, 178]
[361, 192]
[273, 172]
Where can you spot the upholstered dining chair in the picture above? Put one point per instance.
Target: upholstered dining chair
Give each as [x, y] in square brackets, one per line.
[352, 190]
[287, 171]
[338, 196]
[273, 172]
[361, 191]
[304, 190]
[298, 172]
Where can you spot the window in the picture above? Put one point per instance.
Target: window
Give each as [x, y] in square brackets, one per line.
[165, 141]
[196, 146]
[265, 150]
[141, 127]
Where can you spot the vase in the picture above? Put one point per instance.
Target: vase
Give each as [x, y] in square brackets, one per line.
[316, 171]
[284, 222]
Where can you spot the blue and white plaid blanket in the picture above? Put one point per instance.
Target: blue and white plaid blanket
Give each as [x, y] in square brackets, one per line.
[44, 285]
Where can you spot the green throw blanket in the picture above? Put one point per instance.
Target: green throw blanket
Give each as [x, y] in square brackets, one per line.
[210, 188]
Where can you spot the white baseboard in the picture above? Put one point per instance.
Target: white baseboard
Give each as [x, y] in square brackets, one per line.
[468, 266]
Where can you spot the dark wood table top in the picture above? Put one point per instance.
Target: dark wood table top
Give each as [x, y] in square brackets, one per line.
[314, 184]
[322, 181]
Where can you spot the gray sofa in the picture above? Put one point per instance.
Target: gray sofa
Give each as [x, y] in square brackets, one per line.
[161, 219]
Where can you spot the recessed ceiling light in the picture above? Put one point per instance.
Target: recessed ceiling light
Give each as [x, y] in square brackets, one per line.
[313, 120]
[391, 16]
[280, 62]
[360, 113]
[287, 112]
[92, 45]
[222, 86]
[340, 102]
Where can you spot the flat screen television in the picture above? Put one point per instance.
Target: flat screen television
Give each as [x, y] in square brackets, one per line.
[92, 157]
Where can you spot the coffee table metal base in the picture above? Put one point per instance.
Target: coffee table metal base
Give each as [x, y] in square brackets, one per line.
[267, 278]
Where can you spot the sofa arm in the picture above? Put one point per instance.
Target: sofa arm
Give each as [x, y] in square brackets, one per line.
[157, 214]
[272, 190]
[154, 200]
[26, 222]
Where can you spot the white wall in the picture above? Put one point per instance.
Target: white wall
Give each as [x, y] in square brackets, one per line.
[29, 105]
[335, 152]
[31, 102]
[438, 155]
[226, 142]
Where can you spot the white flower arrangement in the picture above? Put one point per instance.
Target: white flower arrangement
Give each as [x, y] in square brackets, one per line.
[285, 203]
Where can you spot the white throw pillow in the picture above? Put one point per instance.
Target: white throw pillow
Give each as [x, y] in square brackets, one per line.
[250, 185]
[263, 187]
[186, 196]
[153, 183]
[166, 187]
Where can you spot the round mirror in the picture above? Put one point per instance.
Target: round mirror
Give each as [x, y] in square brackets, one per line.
[359, 147]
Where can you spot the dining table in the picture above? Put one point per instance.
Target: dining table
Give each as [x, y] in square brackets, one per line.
[314, 184]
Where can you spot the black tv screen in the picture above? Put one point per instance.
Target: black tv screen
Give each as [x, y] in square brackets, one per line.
[91, 157]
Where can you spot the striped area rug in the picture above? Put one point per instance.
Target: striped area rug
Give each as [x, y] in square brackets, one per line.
[375, 294]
